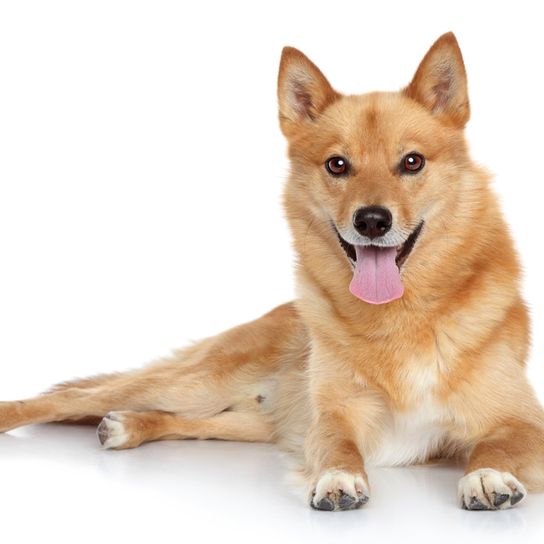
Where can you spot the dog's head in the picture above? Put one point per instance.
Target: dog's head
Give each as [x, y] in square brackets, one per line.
[372, 175]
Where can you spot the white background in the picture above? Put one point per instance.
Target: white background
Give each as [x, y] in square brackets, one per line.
[141, 168]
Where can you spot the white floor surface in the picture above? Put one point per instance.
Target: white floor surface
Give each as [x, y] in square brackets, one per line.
[58, 485]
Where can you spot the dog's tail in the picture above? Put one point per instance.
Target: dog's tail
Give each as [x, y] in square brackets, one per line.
[83, 383]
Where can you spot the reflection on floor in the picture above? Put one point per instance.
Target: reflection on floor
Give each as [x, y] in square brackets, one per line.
[57, 476]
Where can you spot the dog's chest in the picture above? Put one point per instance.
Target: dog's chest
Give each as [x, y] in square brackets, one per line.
[409, 437]
[417, 434]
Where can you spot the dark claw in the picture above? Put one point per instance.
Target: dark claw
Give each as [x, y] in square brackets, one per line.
[475, 504]
[346, 502]
[516, 497]
[363, 499]
[324, 504]
[102, 433]
[500, 499]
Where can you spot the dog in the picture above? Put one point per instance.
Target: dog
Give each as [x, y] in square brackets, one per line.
[408, 338]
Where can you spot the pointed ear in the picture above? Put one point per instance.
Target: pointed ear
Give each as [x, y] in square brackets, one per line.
[440, 83]
[303, 91]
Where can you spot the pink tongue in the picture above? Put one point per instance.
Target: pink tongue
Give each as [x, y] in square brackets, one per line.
[376, 278]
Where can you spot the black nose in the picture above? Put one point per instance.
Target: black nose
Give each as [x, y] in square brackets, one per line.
[372, 221]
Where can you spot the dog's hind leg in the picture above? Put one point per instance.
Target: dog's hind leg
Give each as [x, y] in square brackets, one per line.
[122, 430]
[69, 404]
[230, 371]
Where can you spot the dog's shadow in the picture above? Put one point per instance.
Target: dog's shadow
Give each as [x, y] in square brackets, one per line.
[165, 464]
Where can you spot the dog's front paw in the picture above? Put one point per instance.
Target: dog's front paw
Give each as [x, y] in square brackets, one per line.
[339, 490]
[489, 489]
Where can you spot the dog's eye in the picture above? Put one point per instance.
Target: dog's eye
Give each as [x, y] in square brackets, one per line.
[337, 166]
[413, 162]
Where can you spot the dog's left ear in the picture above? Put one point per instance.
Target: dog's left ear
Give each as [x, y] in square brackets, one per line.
[440, 83]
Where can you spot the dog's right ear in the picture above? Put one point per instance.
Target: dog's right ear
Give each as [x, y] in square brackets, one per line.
[303, 91]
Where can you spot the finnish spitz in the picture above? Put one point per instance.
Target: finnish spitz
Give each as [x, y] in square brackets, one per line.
[408, 338]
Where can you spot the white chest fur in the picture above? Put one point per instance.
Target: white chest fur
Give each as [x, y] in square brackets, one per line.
[409, 437]
[415, 435]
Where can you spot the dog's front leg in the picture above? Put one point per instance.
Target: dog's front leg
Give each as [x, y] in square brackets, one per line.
[339, 481]
[344, 417]
[514, 449]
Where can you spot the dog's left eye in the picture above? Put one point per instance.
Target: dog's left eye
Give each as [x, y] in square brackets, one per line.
[413, 162]
[337, 166]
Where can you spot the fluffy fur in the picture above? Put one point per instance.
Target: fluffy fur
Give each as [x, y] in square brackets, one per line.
[341, 383]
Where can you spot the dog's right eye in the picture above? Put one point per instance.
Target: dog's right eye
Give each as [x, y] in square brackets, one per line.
[337, 166]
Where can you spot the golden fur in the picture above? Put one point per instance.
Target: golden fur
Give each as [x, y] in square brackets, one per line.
[339, 382]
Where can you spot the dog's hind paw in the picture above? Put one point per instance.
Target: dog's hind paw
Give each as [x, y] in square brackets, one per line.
[489, 489]
[112, 433]
[339, 490]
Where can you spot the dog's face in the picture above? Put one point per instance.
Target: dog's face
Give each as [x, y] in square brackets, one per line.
[377, 169]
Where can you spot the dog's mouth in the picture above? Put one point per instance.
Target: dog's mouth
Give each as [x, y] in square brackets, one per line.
[376, 274]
